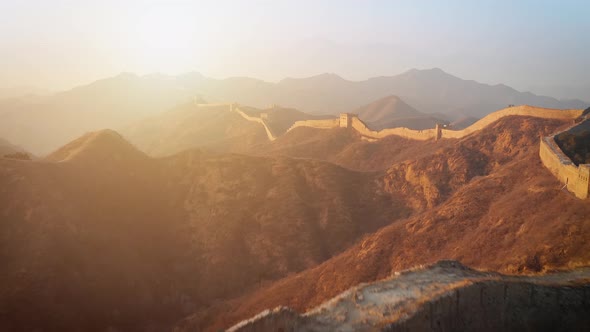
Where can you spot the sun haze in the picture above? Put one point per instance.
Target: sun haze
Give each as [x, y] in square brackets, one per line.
[294, 165]
[59, 44]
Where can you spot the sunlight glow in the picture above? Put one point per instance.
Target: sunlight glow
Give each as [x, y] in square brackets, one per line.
[165, 40]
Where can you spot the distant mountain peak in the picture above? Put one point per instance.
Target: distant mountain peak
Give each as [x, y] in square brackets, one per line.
[98, 146]
[324, 77]
[127, 75]
[390, 98]
[328, 75]
[386, 109]
[431, 72]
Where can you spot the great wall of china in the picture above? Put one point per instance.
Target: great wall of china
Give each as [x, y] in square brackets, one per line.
[352, 121]
[575, 178]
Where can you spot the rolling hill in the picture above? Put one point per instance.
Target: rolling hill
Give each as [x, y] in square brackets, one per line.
[188, 126]
[7, 148]
[100, 236]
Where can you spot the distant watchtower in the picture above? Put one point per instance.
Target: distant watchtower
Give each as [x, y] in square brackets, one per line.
[438, 132]
[346, 120]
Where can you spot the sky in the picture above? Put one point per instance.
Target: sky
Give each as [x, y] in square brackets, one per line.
[540, 46]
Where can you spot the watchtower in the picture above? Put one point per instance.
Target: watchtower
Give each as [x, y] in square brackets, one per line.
[438, 131]
[346, 120]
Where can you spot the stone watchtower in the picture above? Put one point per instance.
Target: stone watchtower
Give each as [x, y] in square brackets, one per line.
[438, 131]
[346, 120]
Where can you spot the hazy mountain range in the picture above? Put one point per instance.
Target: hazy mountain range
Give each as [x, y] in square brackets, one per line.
[41, 124]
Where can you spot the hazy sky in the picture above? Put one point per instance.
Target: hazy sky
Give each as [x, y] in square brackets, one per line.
[538, 45]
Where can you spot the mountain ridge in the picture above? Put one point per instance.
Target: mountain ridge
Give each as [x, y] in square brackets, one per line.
[48, 122]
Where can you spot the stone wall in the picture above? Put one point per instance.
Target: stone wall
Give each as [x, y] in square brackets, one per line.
[279, 319]
[421, 135]
[345, 119]
[490, 305]
[524, 110]
[351, 120]
[575, 178]
[503, 306]
[319, 124]
[235, 108]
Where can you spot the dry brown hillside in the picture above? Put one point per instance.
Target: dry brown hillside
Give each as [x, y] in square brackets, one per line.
[493, 206]
[99, 235]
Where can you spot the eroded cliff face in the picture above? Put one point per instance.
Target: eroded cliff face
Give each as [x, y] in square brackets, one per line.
[445, 296]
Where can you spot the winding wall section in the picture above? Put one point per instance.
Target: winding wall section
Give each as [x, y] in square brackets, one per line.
[236, 109]
[361, 127]
[365, 131]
